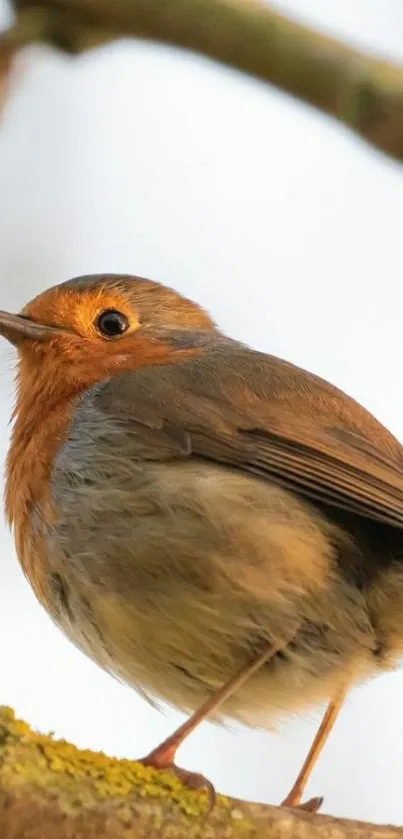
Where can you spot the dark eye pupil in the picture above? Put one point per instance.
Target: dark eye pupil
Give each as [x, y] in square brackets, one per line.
[111, 323]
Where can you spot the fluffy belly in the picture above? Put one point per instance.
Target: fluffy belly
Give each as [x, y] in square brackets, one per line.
[177, 581]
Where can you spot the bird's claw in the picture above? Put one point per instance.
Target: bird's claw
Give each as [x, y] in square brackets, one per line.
[313, 805]
[193, 780]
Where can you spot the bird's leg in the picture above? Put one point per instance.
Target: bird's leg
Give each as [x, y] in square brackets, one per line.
[293, 798]
[163, 756]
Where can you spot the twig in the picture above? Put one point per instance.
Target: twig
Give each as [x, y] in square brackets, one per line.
[360, 91]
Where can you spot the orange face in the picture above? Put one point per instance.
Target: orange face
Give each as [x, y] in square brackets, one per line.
[78, 333]
[77, 312]
[68, 339]
[94, 334]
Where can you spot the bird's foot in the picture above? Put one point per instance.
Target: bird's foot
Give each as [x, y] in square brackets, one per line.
[161, 758]
[313, 805]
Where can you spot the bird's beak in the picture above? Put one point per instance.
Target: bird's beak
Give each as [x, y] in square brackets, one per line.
[17, 329]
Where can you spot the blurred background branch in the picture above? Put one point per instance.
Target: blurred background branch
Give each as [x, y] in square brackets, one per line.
[362, 92]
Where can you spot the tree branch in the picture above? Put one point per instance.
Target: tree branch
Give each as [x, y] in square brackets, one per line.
[49, 789]
[359, 91]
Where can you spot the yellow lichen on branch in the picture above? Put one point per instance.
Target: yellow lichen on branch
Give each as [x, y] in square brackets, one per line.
[49, 789]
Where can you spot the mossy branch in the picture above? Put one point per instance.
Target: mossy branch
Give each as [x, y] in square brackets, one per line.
[358, 90]
[49, 789]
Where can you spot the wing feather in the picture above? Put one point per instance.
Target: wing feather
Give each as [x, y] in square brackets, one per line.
[262, 415]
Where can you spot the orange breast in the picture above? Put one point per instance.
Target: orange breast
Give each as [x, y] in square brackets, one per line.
[36, 439]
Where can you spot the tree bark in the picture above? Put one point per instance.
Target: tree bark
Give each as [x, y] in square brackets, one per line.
[49, 789]
[360, 91]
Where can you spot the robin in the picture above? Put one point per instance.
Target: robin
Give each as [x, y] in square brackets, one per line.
[211, 524]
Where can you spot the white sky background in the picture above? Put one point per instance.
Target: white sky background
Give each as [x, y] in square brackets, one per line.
[141, 159]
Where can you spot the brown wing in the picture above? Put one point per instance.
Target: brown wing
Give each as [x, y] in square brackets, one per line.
[260, 414]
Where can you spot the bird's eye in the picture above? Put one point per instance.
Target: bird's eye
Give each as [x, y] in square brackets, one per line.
[111, 323]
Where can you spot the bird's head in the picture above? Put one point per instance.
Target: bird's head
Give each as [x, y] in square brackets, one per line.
[86, 329]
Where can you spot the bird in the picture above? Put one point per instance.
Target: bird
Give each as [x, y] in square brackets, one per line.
[212, 525]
